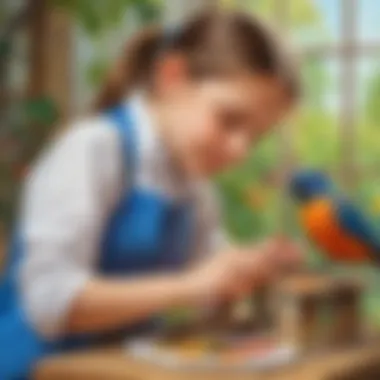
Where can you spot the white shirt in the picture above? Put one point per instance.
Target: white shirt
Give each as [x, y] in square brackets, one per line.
[68, 198]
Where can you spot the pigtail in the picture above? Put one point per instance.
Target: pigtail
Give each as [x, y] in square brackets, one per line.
[130, 71]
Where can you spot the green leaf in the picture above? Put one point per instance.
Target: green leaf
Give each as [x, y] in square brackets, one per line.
[373, 98]
[97, 16]
[5, 49]
[41, 111]
[96, 71]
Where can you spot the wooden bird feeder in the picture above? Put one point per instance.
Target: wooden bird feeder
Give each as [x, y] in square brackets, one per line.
[318, 311]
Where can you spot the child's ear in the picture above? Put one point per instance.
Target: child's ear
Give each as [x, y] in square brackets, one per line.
[171, 71]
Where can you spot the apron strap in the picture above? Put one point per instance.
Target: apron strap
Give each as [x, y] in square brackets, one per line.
[122, 120]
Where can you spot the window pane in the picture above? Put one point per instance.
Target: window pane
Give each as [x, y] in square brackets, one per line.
[369, 25]
[317, 124]
[315, 21]
[368, 87]
[368, 158]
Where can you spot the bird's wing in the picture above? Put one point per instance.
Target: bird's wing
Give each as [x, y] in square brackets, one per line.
[353, 221]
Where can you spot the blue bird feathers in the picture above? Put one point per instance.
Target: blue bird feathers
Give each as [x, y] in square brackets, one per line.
[339, 228]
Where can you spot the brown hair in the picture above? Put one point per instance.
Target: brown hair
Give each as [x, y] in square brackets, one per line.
[212, 43]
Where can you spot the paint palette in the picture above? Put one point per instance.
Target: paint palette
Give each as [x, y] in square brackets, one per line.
[207, 352]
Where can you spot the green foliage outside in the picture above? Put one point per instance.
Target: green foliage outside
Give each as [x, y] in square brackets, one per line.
[95, 17]
[373, 97]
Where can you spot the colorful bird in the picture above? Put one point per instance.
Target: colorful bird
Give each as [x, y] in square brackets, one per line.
[332, 221]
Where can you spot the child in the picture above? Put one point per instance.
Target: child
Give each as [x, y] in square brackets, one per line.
[118, 206]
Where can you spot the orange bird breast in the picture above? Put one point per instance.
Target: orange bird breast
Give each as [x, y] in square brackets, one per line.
[322, 226]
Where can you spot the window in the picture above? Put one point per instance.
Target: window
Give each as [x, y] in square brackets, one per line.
[340, 44]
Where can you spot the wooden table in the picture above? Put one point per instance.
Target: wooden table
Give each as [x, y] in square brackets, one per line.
[113, 364]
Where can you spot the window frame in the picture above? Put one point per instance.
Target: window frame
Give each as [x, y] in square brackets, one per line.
[348, 50]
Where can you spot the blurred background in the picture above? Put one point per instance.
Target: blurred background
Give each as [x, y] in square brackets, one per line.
[54, 54]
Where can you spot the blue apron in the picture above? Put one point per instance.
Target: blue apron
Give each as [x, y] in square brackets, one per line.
[147, 232]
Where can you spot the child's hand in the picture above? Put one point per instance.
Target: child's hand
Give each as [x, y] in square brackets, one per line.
[286, 254]
[234, 273]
